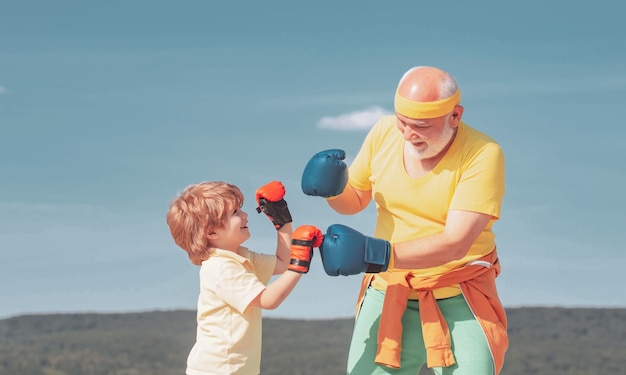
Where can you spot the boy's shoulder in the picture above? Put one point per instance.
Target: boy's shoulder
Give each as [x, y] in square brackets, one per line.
[219, 260]
[225, 256]
[253, 255]
[243, 257]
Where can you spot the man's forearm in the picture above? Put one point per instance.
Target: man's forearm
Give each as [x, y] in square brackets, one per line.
[350, 202]
[426, 252]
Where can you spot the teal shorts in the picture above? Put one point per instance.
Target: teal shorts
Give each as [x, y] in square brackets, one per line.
[469, 344]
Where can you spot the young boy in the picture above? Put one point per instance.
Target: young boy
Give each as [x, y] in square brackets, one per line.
[206, 220]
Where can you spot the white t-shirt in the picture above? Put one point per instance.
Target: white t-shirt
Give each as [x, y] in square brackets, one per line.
[228, 337]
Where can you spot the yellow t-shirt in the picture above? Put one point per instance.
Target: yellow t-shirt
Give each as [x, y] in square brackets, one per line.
[228, 336]
[470, 177]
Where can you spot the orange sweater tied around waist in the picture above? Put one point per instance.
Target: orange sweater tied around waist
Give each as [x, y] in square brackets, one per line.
[477, 282]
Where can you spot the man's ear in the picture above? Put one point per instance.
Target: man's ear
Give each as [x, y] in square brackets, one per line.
[455, 115]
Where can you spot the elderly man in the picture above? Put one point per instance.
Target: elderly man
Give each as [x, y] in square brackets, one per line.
[429, 293]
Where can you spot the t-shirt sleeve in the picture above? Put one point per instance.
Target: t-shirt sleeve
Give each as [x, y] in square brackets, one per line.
[264, 265]
[360, 169]
[237, 286]
[482, 183]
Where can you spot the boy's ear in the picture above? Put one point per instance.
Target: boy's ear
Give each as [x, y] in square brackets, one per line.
[212, 236]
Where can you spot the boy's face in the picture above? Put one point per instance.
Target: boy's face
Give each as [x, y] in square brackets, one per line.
[233, 233]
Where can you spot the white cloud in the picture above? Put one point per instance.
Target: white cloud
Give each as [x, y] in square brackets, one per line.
[3, 90]
[357, 120]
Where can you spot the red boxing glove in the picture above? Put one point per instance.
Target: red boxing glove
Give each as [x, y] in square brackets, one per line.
[304, 239]
[272, 191]
[269, 198]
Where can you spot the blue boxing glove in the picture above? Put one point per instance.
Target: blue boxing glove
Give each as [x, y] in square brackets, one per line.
[346, 251]
[325, 175]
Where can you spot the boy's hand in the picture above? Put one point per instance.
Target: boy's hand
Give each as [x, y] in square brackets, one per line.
[304, 239]
[269, 197]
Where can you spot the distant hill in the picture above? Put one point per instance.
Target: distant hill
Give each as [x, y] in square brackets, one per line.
[550, 341]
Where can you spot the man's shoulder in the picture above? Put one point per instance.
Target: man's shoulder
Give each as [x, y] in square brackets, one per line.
[387, 121]
[472, 132]
[474, 136]
[384, 126]
[475, 142]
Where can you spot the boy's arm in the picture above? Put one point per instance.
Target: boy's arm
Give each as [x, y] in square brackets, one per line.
[275, 293]
[283, 238]
[305, 238]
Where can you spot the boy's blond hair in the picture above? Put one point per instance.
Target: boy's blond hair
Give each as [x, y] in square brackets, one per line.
[197, 211]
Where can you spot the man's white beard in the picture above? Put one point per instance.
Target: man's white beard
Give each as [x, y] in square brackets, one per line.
[432, 148]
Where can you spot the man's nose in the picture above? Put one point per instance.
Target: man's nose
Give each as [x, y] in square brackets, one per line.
[410, 133]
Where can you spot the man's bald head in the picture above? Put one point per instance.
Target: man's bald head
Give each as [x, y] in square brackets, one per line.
[426, 84]
[426, 92]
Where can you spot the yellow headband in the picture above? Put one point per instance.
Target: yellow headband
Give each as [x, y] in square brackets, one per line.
[439, 108]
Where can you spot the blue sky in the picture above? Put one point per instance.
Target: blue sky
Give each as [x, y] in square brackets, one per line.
[108, 109]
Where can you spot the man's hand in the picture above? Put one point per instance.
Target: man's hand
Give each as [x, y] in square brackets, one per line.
[304, 239]
[346, 251]
[325, 175]
[269, 198]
